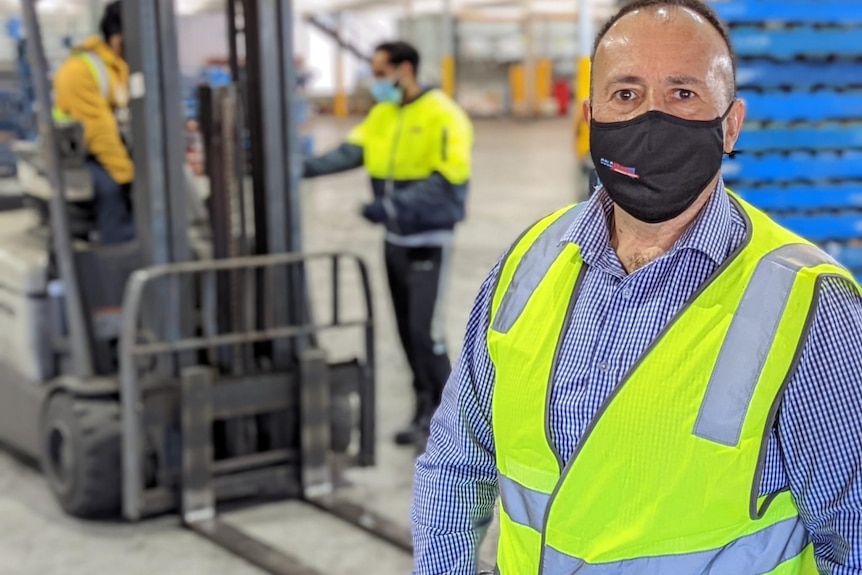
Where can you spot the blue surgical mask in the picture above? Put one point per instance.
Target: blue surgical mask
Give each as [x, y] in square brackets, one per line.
[387, 91]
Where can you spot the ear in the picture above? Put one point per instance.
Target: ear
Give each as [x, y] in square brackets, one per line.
[733, 124]
[587, 111]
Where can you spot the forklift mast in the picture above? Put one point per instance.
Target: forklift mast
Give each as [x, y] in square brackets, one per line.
[259, 270]
[80, 331]
[149, 29]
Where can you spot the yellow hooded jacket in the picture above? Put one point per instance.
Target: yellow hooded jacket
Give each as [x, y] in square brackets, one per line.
[79, 95]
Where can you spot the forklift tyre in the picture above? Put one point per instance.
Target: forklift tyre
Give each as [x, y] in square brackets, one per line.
[81, 454]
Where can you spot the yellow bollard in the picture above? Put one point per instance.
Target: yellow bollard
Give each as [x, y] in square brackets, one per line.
[544, 82]
[447, 75]
[518, 88]
[582, 94]
[341, 108]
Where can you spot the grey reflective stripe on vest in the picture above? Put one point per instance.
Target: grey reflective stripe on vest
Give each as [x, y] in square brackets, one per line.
[748, 341]
[523, 506]
[753, 554]
[100, 71]
[531, 269]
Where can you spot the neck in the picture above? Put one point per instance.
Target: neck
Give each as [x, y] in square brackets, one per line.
[411, 92]
[638, 243]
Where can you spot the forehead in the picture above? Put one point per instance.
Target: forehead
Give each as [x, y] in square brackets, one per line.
[380, 60]
[663, 41]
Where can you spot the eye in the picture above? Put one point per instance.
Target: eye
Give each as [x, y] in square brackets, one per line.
[625, 95]
[683, 94]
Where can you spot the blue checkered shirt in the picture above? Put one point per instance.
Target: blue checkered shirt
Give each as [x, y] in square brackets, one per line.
[815, 449]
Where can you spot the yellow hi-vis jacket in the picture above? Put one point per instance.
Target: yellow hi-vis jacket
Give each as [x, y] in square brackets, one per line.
[88, 87]
[666, 480]
[418, 157]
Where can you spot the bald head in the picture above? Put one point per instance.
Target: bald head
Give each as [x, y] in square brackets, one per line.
[662, 56]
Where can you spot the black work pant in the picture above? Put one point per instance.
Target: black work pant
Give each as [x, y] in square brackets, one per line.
[114, 218]
[417, 281]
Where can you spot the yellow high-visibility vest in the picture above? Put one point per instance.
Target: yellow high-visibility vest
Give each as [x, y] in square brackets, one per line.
[666, 479]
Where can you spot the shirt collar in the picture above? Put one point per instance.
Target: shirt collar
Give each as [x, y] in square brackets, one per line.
[709, 234]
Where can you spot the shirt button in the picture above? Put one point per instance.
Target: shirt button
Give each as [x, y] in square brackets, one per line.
[603, 366]
[627, 293]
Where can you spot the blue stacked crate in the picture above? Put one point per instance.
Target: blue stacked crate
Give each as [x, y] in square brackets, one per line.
[800, 71]
[10, 130]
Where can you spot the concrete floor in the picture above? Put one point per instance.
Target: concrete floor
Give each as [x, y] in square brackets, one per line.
[521, 172]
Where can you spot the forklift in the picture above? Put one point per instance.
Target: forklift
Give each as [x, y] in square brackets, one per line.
[186, 368]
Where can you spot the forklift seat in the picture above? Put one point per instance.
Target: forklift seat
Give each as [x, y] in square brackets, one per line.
[33, 178]
[80, 195]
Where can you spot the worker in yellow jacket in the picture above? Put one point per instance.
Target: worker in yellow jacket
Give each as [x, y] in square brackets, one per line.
[416, 145]
[90, 87]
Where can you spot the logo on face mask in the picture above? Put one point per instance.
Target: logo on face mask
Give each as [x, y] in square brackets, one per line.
[676, 160]
[620, 169]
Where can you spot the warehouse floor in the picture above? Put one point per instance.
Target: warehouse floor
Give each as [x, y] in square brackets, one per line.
[521, 172]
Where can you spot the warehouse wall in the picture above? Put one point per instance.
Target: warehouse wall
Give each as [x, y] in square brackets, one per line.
[426, 33]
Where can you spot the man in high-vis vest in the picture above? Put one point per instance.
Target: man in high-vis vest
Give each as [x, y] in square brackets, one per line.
[91, 87]
[660, 380]
[416, 145]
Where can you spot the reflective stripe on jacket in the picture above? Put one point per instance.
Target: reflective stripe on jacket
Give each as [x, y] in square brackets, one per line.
[666, 479]
[100, 75]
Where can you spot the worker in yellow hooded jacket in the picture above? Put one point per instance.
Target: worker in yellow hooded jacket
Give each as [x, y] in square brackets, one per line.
[91, 87]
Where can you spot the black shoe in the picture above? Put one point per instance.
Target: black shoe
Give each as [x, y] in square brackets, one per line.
[421, 444]
[410, 434]
[416, 433]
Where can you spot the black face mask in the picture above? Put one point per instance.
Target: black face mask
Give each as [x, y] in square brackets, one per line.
[656, 165]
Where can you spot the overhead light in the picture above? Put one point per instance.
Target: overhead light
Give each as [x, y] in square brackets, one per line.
[192, 6]
[56, 6]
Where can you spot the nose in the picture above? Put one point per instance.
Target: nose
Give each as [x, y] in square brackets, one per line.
[654, 102]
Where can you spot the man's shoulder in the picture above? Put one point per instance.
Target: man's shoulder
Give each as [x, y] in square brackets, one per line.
[71, 73]
[444, 104]
[73, 62]
[769, 241]
[380, 111]
[550, 230]
[766, 235]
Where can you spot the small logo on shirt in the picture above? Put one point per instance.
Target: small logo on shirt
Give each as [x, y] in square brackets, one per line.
[620, 169]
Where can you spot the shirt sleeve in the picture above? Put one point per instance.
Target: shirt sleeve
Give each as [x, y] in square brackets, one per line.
[432, 203]
[456, 479]
[820, 430]
[346, 157]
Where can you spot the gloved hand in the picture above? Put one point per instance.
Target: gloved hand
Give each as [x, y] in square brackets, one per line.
[374, 212]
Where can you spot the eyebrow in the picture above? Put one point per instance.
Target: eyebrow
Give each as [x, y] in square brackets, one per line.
[626, 79]
[670, 80]
[685, 80]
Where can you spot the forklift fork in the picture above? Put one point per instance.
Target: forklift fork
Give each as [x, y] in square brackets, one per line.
[206, 396]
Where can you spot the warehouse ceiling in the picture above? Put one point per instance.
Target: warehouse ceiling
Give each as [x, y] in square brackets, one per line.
[601, 8]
